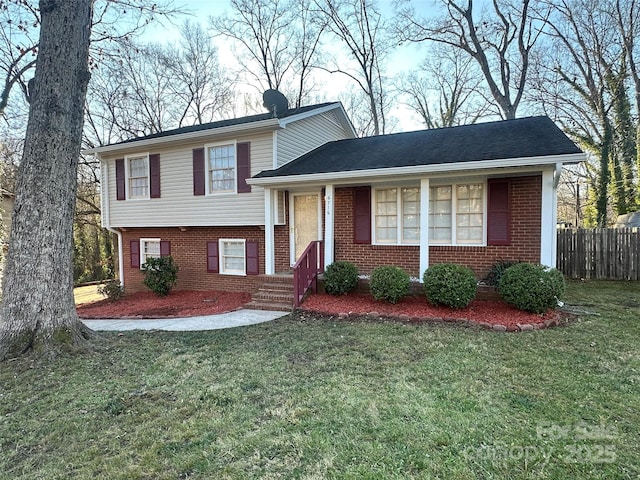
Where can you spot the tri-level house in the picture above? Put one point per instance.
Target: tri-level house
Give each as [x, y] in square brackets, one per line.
[239, 201]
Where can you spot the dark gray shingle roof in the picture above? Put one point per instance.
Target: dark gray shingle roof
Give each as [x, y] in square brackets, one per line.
[226, 123]
[519, 138]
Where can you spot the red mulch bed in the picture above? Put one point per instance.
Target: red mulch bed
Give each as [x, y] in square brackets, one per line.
[485, 313]
[179, 303]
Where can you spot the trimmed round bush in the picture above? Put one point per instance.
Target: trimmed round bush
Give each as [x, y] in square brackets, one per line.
[160, 274]
[532, 288]
[389, 283]
[340, 278]
[448, 284]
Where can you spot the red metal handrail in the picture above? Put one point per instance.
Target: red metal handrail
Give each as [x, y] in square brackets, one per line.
[306, 270]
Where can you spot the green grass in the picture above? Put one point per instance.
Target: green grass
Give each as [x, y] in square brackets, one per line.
[305, 398]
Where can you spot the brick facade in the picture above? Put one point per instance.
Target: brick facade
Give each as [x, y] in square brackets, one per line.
[189, 247]
[189, 250]
[526, 202]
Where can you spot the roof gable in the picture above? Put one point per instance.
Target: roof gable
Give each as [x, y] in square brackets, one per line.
[519, 138]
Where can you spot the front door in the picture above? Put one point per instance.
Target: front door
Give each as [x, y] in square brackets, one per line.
[305, 223]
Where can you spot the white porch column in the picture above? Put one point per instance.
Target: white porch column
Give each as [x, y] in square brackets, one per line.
[328, 225]
[269, 236]
[424, 226]
[549, 216]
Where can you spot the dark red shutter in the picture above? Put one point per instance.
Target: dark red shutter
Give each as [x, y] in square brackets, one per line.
[362, 215]
[120, 190]
[165, 248]
[154, 175]
[213, 264]
[252, 257]
[499, 212]
[243, 160]
[134, 248]
[198, 171]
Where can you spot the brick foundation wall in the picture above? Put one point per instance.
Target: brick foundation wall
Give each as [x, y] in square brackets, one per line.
[526, 203]
[189, 250]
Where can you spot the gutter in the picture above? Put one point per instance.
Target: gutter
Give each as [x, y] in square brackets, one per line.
[104, 200]
[418, 169]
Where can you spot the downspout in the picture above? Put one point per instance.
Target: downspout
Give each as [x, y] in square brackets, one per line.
[106, 218]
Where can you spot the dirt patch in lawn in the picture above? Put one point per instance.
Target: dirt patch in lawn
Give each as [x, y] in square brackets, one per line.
[177, 304]
[486, 313]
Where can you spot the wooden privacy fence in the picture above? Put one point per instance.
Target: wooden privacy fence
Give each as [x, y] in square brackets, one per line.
[599, 253]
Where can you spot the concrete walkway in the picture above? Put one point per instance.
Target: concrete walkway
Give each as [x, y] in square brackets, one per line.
[237, 318]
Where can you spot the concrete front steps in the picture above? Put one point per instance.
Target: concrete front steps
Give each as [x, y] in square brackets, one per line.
[276, 293]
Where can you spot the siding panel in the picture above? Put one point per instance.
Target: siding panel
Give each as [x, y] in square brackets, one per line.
[309, 133]
[179, 207]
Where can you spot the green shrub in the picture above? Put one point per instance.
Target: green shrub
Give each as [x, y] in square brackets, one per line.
[340, 278]
[532, 288]
[112, 289]
[497, 269]
[448, 284]
[389, 283]
[160, 274]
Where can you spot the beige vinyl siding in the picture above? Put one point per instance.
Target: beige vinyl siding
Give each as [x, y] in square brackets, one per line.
[177, 205]
[304, 135]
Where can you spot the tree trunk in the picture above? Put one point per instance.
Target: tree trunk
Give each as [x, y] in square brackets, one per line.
[602, 185]
[38, 310]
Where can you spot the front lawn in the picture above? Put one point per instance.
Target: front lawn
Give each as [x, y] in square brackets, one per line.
[330, 398]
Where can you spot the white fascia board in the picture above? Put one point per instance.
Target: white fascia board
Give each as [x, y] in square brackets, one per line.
[317, 111]
[243, 128]
[353, 175]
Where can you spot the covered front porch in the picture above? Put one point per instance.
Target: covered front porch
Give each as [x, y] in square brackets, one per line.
[345, 215]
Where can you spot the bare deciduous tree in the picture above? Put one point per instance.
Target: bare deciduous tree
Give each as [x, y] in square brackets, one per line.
[276, 41]
[362, 31]
[580, 74]
[204, 88]
[446, 90]
[113, 21]
[500, 42]
[627, 15]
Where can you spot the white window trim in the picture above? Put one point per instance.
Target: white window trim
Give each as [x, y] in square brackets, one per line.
[207, 171]
[221, 242]
[127, 177]
[454, 213]
[399, 228]
[143, 256]
[424, 210]
[279, 208]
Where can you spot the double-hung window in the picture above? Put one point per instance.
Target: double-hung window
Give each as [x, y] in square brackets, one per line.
[232, 256]
[221, 168]
[456, 214]
[138, 176]
[149, 247]
[397, 216]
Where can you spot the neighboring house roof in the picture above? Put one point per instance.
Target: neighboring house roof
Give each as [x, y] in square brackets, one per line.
[262, 120]
[522, 138]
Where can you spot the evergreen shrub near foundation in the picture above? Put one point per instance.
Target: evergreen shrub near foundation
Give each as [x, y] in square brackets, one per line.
[160, 274]
[449, 284]
[340, 278]
[531, 287]
[389, 283]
